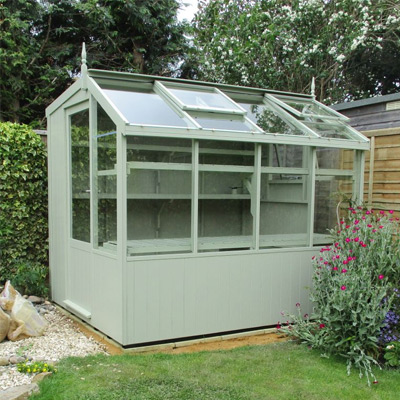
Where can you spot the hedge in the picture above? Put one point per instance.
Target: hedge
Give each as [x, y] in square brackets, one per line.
[23, 198]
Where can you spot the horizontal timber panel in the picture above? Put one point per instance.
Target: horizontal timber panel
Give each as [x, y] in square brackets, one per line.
[387, 141]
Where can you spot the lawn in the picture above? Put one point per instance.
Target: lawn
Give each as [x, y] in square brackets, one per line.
[276, 371]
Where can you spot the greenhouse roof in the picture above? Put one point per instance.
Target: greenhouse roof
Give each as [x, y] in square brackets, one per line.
[161, 106]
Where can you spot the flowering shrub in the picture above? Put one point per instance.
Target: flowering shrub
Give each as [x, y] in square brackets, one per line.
[353, 283]
[36, 368]
[391, 331]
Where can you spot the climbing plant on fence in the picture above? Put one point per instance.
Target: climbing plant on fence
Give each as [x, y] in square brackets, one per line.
[23, 199]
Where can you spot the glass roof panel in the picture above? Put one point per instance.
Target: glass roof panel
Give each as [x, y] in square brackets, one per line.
[226, 123]
[206, 100]
[329, 130]
[268, 120]
[146, 108]
[308, 107]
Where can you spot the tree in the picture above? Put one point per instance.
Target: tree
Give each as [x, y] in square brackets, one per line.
[350, 46]
[41, 41]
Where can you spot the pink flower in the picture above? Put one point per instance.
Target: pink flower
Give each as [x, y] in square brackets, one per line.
[356, 221]
[380, 226]
[381, 277]
[337, 256]
[363, 217]
[278, 326]
[297, 305]
[349, 258]
[345, 262]
[344, 270]
[321, 326]
[347, 226]
[335, 268]
[373, 230]
[368, 212]
[343, 287]
[382, 212]
[369, 226]
[342, 222]
[348, 240]
[363, 245]
[356, 239]
[391, 211]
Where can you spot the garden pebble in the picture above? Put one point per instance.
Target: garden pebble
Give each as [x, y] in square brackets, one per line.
[61, 339]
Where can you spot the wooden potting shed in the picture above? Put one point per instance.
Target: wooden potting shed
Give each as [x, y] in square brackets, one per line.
[378, 118]
[181, 209]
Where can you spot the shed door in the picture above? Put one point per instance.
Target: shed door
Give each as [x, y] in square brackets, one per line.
[78, 279]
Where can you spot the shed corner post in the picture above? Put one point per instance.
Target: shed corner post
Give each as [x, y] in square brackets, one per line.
[122, 224]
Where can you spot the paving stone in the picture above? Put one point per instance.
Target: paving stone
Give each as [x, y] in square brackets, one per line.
[39, 377]
[19, 392]
[4, 361]
[35, 299]
[16, 359]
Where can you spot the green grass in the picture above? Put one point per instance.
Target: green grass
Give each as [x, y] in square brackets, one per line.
[275, 371]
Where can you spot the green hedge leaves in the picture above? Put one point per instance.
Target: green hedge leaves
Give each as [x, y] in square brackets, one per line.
[23, 198]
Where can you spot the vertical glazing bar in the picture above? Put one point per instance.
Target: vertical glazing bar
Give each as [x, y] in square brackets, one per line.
[256, 196]
[93, 176]
[195, 195]
[122, 224]
[312, 164]
[358, 181]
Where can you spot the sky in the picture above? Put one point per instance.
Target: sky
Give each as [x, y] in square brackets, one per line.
[188, 9]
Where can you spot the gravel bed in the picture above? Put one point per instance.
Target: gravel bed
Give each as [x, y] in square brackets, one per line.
[61, 339]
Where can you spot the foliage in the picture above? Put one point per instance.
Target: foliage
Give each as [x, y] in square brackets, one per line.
[23, 198]
[35, 367]
[276, 371]
[41, 44]
[350, 46]
[392, 354]
[30, 278]
[352, 294]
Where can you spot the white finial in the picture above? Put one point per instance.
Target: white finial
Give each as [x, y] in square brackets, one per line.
[313, 87]
[83, 55]
[84, 67]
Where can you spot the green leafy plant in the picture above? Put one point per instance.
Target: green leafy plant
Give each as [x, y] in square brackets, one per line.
[392, 354]
[351, 293]
[35, 367]
[31, 278]
[23, 198]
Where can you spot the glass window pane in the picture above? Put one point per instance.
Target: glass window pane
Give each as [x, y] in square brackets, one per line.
[268, 120]
[225, 217]
[283, 211]
[105, 157]
[146, 108]
[328, 191]
[226, 153]
[159, 193]
[308, 108]
[80, 176]
[329, 130]
[224, 122]
[283, 155]
[204, 99]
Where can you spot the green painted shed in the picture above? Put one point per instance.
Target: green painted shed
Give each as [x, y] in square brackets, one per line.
[179, 209]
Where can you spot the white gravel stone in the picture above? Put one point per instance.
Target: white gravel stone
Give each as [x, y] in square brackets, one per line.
[61, 339]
